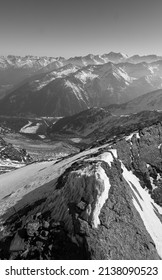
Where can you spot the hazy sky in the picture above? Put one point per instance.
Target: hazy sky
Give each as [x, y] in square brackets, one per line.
[71, 27]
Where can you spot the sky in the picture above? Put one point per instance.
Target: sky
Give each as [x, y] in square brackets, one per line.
[73, 28]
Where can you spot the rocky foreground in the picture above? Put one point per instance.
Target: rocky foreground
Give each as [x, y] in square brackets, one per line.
[103, 203]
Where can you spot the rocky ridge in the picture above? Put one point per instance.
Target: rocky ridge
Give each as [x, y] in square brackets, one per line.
[106, 204]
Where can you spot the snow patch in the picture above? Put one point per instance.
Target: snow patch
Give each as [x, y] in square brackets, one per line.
[11, 163]
[131, 135]
[104, 58]
[158, 177]
[152, 183]
[124, 75]
[106, 157]
[76, 140]
[114, 151]
[84, 62]
[102, 188]
[83, 76]
[28, 128]
[25, 126]
[42, 136]
[41, 84]
[95, 61]
[76, 89]
[137, 135]
[60, 73]
[153, 69]
[99, 189]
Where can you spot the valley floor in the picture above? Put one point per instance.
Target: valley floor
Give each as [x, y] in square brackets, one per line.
[38, 149]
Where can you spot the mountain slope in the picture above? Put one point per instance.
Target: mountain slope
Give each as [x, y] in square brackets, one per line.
[93, 205]
[95, 125]
[150, 101]
[14, 69]
[81, 88]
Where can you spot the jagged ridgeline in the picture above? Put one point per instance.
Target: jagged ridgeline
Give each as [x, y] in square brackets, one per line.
[46, 86]
[102, 203]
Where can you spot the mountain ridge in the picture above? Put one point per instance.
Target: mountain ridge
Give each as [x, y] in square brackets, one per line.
[83, 87]
[88, 199]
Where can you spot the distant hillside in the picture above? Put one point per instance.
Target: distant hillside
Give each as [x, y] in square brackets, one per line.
[97, 125]
[149, 101]
[73, 88]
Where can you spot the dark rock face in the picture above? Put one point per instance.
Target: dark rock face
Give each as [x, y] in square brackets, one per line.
[9, 152]
[36, 240]
[142, 153]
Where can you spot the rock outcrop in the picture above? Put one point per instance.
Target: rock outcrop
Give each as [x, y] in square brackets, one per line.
[11, 157]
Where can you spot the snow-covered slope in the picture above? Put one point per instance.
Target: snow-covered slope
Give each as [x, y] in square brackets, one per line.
[40, 173]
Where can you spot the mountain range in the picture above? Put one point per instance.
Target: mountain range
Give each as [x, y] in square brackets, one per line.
[62, 87]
